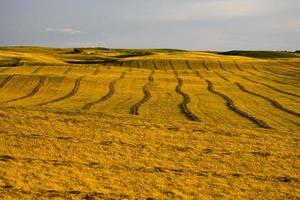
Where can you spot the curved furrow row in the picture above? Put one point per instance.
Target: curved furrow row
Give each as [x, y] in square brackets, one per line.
[37, 70]
[110, 93]
[291, 64]
[254, 67]
[5, 81]
[232, 106]
[277, 81]
[238, 66]
[188, 65]
[283, 68]
[147, 95]
[198, 74]
[186, 99]
[273, 102]
[72, 93]
[222, 66]
[293, 76]
[67, 70]
[204, 65]
[32, 93]
[172, 66]
[221, 76]
[266, 85]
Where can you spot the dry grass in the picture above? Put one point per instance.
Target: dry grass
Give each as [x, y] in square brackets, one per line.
[69, 131]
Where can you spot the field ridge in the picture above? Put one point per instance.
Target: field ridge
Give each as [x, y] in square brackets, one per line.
[67, 70]
[186, 99]
[273, 102]
[266, 85]
[37, 70]
[147, 95]
[6, 80]
[110, 93]
[188, 65]
[72, 93]
[32, 93]
[277, 81]
[238, 66]
[205, 66]
[221, 76]
[222, 66]
[232, 106]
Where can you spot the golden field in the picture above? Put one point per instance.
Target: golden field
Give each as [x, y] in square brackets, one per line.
[99, 123]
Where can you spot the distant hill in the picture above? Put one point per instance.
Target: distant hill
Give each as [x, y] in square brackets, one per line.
[260, 54]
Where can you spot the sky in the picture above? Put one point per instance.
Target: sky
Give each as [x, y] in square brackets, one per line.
[183, 24]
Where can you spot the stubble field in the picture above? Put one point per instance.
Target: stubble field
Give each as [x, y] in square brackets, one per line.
[123, 124]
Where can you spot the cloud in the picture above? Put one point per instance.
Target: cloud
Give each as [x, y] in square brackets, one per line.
[63, 30]
[210, 10]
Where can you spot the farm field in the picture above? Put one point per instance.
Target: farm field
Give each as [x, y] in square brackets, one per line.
[97, 123]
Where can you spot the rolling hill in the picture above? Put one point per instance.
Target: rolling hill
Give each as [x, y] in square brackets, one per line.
[101, 123]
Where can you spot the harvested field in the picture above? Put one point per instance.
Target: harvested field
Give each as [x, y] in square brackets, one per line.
[159, 125]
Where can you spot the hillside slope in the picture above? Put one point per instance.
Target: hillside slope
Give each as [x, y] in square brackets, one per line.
[98, 123]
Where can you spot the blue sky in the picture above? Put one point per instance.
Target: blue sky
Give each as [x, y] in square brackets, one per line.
[185, 24]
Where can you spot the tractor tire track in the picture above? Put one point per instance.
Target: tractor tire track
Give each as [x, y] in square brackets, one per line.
[270, 71]
[172, 66]
[147, 95]
[188, 65]
[291, 64]
[110, 93]
[186, 99]
[266, 85]
[273, 102]
[37, 70]
[198, 74]
[72, 93]
[67, 70]
[276, 81]
[284, 67]
[222, 66]
[254, 67]
[232, 106]
[237, 66]
[204, 65]
[5, 81]
[221, 76]
[33, 92]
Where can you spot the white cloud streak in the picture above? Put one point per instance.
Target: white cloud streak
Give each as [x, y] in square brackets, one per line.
[63, 30]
